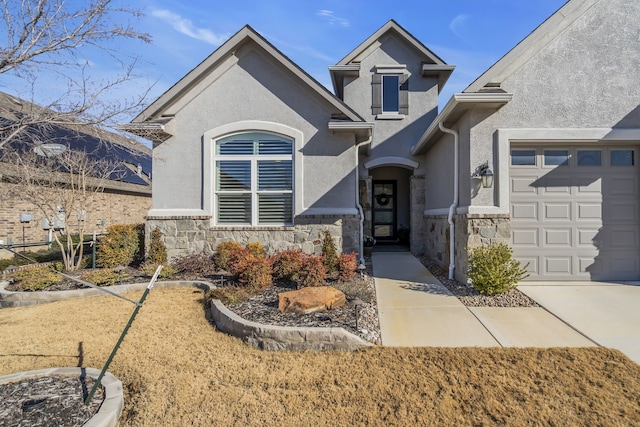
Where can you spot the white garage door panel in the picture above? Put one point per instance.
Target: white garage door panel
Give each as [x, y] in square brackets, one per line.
[574, 222]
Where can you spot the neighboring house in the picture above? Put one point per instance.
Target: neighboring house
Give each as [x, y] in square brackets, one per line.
[126, 197]
[249, 147]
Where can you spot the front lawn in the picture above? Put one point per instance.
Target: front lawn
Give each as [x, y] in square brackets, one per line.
[177, 369]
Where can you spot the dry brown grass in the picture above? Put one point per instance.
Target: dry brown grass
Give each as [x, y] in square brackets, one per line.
[178, 370]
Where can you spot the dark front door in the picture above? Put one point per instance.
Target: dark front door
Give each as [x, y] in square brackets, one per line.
[384, 211]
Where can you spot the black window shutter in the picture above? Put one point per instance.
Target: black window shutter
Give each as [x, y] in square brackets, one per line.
[376, 94]
[404, 95]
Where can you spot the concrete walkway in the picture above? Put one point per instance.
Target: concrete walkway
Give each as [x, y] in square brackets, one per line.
[416, 310]
[608, 313]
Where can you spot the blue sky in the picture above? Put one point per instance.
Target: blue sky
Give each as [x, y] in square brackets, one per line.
[471, 34]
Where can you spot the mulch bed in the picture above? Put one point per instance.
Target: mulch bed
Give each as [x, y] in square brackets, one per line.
[48, 401]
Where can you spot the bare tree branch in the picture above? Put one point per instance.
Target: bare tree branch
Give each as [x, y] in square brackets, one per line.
[49, 37]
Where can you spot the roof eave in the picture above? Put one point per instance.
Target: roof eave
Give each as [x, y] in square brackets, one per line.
[457, 106]
[442, 72]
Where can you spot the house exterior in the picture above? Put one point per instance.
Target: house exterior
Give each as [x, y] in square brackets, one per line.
[125, 199]
[539, 152]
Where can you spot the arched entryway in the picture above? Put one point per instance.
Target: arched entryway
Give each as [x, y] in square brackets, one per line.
[389, 207]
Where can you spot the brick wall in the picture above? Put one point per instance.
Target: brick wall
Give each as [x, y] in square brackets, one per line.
[110, 206]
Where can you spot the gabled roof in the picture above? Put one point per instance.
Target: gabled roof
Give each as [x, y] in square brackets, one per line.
[433, 65]
[531, 45]
[201, 71]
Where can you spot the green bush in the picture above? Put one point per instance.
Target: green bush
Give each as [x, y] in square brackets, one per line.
[196, 264]
[35, 279]
[346, 266]
[286, 264]
[313, 271]
[121, 246]
[157, 249]
[492, 269]
[104, 276]
[329, 251]
[223, 253]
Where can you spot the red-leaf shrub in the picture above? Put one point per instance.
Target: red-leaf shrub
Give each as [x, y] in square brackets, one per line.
[257, 272]
[347, 265]
[256, 249]
[313, 271]
[286, 264]
[223, 253]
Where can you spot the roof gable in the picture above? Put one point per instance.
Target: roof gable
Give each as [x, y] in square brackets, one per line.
[209, 65]
[531, 45]
[391, 27]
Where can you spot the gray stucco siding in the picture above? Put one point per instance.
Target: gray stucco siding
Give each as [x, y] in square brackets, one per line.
[255, 89]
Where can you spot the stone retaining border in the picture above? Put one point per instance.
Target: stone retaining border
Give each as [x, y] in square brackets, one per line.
[22, 299]
[266, 337]
[271, 337]
[111, 408]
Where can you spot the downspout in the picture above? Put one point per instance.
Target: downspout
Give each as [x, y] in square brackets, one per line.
[358, 205]
[454, 205]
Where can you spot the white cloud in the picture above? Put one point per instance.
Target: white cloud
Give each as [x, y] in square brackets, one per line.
[457, 25]
[186, 27]
[332, 19]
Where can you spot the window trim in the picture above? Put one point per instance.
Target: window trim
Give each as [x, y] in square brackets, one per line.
[377, 84]
[247, 126]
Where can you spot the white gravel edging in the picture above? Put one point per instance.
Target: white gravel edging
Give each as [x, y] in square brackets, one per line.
[111, 408]
[270, 337]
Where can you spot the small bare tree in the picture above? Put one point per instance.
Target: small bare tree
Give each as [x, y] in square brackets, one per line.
[61, 186]
[51, 37]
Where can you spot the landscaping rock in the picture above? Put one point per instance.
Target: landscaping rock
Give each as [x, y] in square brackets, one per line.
[308, 300]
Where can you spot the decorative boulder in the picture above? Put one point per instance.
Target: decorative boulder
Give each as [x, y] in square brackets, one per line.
[308, 300]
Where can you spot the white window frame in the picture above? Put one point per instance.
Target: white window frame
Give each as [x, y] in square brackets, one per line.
[396, 93]
[209, 137]
[253, 159]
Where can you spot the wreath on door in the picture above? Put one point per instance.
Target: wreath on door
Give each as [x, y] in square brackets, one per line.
[382, 199]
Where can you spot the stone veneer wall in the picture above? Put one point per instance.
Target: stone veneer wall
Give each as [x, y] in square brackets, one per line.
[416, 207]
[471, 231]
[185, 234]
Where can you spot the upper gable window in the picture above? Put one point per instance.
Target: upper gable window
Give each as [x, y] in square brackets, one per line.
[390, 92]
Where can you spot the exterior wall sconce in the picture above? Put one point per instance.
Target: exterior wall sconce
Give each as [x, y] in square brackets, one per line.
[485, 174]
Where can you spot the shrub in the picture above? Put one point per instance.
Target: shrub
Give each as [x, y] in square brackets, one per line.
[256, 272]
[250, 270]
[492, 270]
[196, 264]
[157, 249]
[35, 279]
[104, 277]
[286, 264]
[121, 246]
[149, 269]
[313, 271]
[346, 266]
[256, 249]
[230, 295]
[329, 251]
[223, 254]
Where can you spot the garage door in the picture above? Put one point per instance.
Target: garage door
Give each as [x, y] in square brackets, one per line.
[575, 212]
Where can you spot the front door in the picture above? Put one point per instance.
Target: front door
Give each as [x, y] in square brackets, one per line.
[384, 211]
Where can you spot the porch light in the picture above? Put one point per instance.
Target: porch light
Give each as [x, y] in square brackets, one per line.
[485, 174]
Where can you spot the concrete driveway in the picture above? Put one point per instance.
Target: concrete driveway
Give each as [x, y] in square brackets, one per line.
[607, 313]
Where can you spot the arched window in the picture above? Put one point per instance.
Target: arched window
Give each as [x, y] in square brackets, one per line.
[254, 179]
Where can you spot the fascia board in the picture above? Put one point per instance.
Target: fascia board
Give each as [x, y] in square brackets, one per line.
[457, 105]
